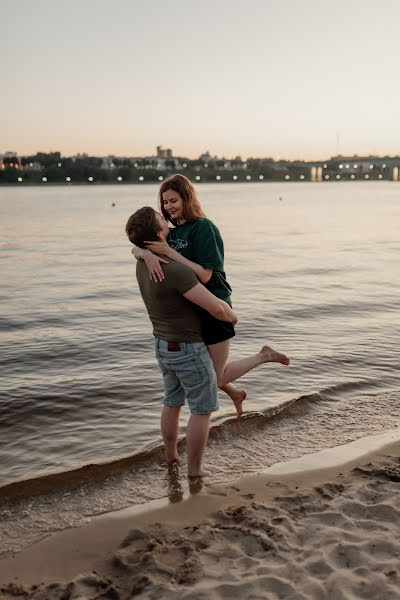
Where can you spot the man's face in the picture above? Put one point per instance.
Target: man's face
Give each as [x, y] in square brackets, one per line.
[164, 229]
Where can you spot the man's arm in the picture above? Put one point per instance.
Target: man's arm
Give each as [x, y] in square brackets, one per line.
[204, 275]
[138, 253]
[215, 306]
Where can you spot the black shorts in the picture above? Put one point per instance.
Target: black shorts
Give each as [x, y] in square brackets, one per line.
[214, 331]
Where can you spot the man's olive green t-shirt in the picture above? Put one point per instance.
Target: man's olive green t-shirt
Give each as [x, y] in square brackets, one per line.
[174, 318]
[200, 241]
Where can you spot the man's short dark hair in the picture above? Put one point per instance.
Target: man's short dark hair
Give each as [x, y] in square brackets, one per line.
[143, 226]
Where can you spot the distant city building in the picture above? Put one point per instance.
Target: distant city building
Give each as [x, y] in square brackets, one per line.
[108, 162]
[79, 157]
[362, 163]
[32, 166]
[206, 157]
[164, 152]
[10, 160]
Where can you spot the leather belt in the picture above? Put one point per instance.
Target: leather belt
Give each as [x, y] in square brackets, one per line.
[174, 346]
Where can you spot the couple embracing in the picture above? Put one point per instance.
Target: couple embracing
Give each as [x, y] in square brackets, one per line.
[180, 272]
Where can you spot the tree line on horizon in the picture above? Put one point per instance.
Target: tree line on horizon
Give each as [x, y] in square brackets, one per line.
[53, 168]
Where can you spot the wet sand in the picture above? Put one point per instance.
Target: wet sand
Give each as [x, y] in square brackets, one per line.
[326, 526]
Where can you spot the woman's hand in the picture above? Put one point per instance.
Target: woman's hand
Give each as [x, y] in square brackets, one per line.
[160, 247]
[235, 318]
[153, 264]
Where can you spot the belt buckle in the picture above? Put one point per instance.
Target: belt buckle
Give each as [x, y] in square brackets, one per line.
[174, 346]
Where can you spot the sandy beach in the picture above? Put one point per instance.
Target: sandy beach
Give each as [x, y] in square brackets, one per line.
[324, 533]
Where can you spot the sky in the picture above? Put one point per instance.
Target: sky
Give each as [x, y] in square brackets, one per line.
[267, 78]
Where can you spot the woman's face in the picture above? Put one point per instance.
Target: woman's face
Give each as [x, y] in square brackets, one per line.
[173, 204]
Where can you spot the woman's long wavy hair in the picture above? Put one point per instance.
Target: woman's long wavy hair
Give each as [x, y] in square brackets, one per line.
[181, 185]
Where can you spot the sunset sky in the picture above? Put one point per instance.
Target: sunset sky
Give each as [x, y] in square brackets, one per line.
[282, 78]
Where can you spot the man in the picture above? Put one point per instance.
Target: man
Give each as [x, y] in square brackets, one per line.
[183, 357]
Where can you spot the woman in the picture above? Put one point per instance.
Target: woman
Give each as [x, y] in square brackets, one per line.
[196, 242]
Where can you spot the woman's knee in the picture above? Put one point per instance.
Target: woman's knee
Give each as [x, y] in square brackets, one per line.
[220, 381]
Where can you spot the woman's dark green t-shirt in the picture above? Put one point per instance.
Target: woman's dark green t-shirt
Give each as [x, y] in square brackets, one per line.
[200, 241]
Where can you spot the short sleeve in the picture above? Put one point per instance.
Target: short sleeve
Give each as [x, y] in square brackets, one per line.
[181, 277]
[209, 246]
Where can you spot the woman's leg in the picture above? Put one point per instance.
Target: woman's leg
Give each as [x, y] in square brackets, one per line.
[237, 396]
[230, 371]
[219, 355]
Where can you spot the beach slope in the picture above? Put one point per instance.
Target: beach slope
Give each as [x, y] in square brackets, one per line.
[324, 534]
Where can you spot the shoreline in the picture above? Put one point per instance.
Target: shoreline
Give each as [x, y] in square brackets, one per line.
[95, 545]
[208, 181]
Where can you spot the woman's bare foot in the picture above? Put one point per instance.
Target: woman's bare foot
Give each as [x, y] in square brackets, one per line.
[271, 355]
[237, 396]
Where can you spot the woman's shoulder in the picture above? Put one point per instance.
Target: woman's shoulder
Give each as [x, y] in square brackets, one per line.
[204, 224]
[205, 232]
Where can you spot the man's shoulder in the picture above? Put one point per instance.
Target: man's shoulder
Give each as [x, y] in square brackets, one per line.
[172, 270]
[179, 277]
[175, 269]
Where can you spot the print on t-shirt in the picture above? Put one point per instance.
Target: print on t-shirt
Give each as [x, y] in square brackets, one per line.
[178, 244]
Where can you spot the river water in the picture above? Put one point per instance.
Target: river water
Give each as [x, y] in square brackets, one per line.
[315, 273]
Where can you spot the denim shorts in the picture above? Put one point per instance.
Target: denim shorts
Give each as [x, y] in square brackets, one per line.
[188, 373]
